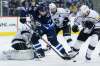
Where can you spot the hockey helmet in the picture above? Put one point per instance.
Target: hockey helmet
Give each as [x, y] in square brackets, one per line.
[84, 9]
[52, 7]
[43, 9]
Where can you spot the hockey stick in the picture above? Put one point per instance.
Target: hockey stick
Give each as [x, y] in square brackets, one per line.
[58, 53]
[34, 50]
[48, 46]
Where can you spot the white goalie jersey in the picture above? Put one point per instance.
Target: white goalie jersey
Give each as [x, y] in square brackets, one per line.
[59, 16]
[24, 33]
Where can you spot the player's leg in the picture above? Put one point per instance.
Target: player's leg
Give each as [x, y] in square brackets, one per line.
[67, 33]
[19, 44]
[57, 30]
[67, 30]
[36, 45]
[92, 44]
[81, 38]
[20, 40]
[99, 42]
[20, 49]
[51, 35]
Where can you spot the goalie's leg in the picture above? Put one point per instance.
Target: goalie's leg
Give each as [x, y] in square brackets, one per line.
[20, 52]
[19, 44]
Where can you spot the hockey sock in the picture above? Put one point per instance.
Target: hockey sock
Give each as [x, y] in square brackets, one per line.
[39, 49]
[89, 52]
[68, 38]
[92, 45]
[77, 44]
[37, 46]
[60, 48]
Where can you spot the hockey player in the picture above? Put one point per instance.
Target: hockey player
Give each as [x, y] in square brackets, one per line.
[91, 28]
[61, 19]
[21, 39]
[35, 36]
[21, 48]
[46, 27]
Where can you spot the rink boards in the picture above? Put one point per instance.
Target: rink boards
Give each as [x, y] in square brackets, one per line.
[10, 25]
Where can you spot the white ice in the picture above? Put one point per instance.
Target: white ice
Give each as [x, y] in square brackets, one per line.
[51, 59]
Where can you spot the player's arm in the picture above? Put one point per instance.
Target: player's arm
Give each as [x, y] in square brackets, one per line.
[77, 21]
[23, 15]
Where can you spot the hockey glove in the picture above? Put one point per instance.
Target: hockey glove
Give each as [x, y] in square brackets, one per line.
[49, 26]
[23, 20]
[66, 19]
[66, 22]
[88, 24]
[75, 28]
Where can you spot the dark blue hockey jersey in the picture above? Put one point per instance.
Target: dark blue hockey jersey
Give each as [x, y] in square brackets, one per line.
[34, 12]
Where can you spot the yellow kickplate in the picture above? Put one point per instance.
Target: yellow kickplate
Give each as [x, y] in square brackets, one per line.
[61, 32]
[14, 33]
[7, 33]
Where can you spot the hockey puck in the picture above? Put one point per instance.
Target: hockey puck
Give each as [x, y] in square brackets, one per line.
[74, 60]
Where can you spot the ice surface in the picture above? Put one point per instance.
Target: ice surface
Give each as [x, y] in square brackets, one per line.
[51, 59]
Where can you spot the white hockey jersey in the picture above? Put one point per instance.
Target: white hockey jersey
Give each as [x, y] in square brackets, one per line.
[59, 16]
[25, 36]
[93, 16]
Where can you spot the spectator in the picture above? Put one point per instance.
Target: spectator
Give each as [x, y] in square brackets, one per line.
[5, 8]
[89, 3]
[13, 4]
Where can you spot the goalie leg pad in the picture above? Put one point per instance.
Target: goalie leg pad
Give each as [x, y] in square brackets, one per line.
[20, 46]
[19, 54]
